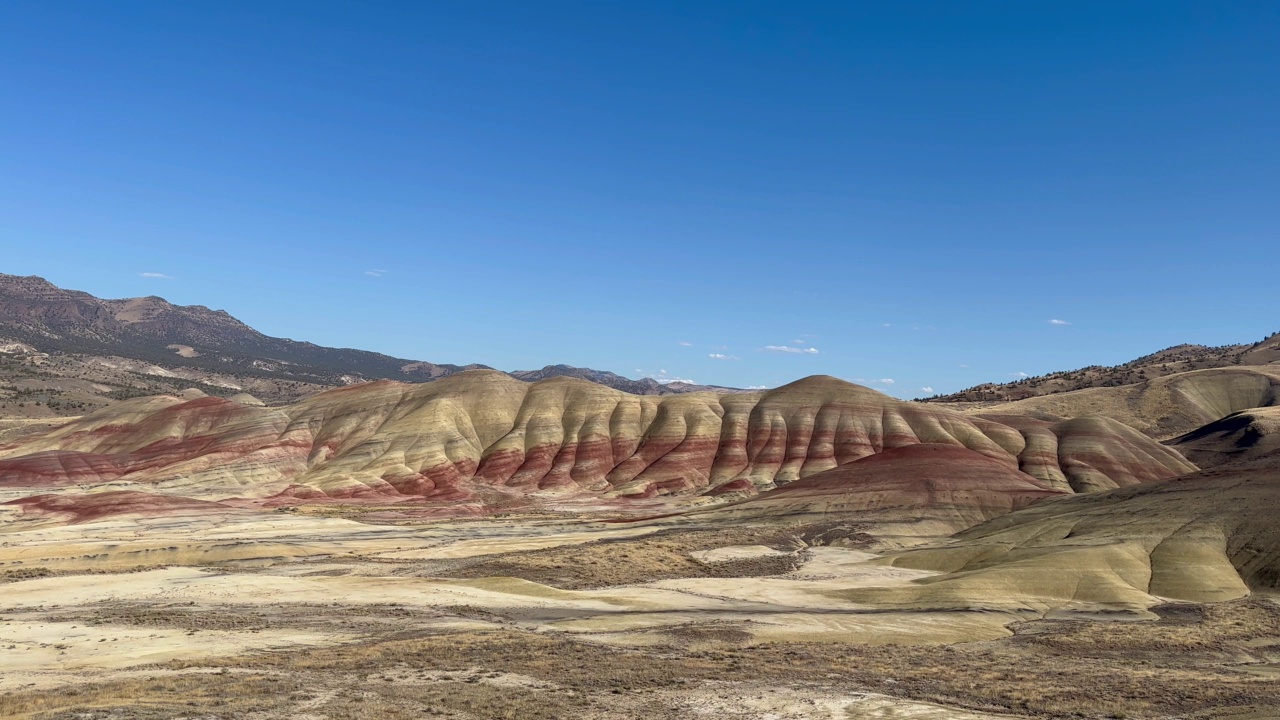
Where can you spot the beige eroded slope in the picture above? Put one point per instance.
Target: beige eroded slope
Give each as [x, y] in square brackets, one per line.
[1164, 407]
[909, 494]
[1206, 537]
[481, 436]
[900, 496]
[1241, 436]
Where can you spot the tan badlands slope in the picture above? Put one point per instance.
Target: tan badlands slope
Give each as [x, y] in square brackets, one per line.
[1206, 537]
[1240, 436]
[1164, 407]
[903, 495]
[481, 435]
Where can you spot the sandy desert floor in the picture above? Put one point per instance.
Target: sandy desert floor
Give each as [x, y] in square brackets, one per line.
[293, 615]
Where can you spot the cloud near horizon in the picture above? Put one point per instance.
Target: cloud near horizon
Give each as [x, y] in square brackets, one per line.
[662, 377]
[155, 275]
[789, 349]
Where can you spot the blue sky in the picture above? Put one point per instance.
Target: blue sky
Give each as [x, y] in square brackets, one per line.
[912, 191]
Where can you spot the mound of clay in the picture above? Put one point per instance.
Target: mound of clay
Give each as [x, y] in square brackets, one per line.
[246, 399]
[1207, 537]
[1091, 453]
[485, 434]
[79, 508]
[1240, 436]
[924, 490]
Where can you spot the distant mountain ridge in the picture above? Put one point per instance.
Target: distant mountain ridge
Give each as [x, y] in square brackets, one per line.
[1170, 361]
[41, 314]
[643, 386]
[36, 313]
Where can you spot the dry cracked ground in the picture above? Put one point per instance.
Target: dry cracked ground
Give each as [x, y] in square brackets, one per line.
[312, 613]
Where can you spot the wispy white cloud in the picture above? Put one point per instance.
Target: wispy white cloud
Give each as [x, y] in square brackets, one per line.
[885, 382]
[757, 387]
[684, 343]
[663, 377]
[722, 356]
[927, 389]
[157, 276]
[375, 273]
[887, 325]
[799, 342]
[1058, 322]
[789, 349]
[1021, 374]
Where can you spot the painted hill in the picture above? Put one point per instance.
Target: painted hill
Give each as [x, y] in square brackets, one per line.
[83, 508]
[931, 490]
[1206, 537]
[484, 439]
[902, 495]
[1243, 435]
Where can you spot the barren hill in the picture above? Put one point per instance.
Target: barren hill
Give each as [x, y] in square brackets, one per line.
[1240, 436]
[481, 437]
[1205, 537]
[901, 495]
[1163, 407]
[1170, 361]
[930, 490]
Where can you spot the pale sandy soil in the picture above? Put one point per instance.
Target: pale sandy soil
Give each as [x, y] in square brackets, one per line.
[734, 552]
[794, 606]
[486, 546]
[45, 654]
[173, 604]
[729, 700]
[298, 567]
